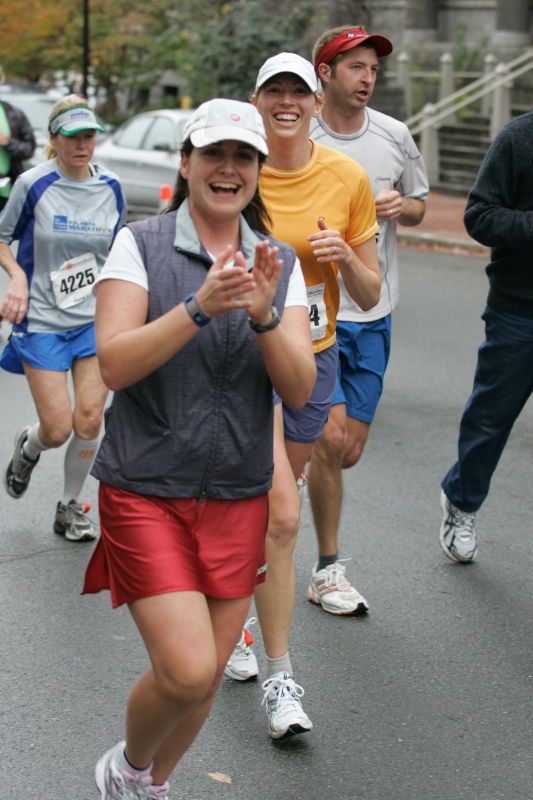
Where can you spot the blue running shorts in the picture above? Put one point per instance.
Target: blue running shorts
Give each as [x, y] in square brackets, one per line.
[50, 351]
[364, 349]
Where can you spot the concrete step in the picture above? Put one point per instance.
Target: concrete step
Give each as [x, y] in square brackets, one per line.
[456, 165]
[463, 151]
[457, 190]
[463, 142]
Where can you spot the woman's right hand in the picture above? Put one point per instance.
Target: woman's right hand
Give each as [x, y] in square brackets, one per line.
[15, 303]
[224, 287]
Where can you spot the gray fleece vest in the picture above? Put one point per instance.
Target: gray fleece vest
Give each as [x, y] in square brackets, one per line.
[201, 424]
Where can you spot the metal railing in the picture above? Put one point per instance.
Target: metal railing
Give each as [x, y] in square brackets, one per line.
[493, 89]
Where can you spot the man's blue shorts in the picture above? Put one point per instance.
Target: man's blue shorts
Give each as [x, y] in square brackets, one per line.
[364, 349]
[50, 351]
[307, 424]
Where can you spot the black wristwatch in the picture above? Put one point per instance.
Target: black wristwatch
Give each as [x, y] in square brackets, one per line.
[195, 312]
[274, 322]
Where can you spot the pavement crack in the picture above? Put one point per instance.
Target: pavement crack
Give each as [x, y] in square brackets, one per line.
[8, 558]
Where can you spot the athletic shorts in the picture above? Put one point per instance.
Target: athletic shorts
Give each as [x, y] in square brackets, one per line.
[51, 351]
[364, 349]
[307, 424]
[155, 545]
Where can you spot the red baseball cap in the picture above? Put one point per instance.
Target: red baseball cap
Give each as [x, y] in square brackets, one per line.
[352, 37]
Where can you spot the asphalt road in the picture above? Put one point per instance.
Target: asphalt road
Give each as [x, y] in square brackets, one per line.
[427, 698]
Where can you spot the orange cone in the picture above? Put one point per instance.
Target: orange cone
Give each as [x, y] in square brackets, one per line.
[165, 196]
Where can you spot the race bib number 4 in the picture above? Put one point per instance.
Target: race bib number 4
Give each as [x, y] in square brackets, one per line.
[318, 318]
[74, 280]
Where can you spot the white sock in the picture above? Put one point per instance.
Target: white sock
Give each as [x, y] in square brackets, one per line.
[78, 462]
[33, 446]
[276, 665]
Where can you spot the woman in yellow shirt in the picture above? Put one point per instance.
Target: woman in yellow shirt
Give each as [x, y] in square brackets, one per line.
[320, 201]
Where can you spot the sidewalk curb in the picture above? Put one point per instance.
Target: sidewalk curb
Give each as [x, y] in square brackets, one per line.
[441, 241]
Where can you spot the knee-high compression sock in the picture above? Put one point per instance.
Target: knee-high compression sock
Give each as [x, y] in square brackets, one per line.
[78, 461]
[33, 446]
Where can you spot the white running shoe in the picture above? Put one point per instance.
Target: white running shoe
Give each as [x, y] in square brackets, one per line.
[331, 589]
[115, 784]
[301, 484]
[457, 532]
[285, 714]
[72, 522]
[242, 663]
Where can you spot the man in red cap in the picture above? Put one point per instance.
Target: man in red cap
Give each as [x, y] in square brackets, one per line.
[347, 61]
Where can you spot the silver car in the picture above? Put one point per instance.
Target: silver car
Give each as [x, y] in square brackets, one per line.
[143, 152]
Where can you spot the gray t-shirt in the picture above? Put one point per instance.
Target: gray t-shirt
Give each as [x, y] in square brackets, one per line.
[55, 219]
[386, 150]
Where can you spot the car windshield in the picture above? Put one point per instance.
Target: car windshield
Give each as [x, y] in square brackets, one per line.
[36, 108]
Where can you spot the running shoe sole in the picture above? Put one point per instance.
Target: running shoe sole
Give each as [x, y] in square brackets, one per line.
[359, 611]
[292, 730]
[235, 676]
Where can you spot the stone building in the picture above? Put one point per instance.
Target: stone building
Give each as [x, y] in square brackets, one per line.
[432, 25]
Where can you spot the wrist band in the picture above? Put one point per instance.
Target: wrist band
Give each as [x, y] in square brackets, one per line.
[274, 322]
[195, 312]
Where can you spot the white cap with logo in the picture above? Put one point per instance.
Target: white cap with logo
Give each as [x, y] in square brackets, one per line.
[220, 120]
[288, 62]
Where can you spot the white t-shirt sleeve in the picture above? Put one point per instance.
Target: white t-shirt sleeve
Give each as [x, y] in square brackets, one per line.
[296, 293]
[124, 262]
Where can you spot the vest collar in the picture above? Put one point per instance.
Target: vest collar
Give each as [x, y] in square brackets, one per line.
[187, 239]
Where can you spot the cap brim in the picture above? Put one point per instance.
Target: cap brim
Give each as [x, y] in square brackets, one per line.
[77, 127]
[223, 133]
[311, 85]
[382, 45]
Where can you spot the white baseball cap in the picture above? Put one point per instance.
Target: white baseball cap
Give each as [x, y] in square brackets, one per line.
[288, 62]
[220, 120]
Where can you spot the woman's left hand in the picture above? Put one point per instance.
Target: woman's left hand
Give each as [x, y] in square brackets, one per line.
[328, 244]
[266, 272]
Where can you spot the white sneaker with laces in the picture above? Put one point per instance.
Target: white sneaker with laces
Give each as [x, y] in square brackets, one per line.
[457, 532]
[331, 589]
[285, 714]
[116, 784]
[242, 663]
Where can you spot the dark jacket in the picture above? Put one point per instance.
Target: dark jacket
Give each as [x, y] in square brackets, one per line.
[201, 424]
[22, 143]
[499, 214]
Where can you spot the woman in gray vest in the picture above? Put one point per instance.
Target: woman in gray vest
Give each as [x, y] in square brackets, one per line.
[200, 314]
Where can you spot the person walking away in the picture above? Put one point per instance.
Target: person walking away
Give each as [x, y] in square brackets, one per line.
[320, 201]
[498, 214]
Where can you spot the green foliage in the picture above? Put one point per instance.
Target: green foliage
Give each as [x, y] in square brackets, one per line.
[223, 44]
[467, 57]
[216, 47]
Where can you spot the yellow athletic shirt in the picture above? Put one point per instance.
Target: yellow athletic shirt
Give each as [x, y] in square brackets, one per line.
[332, 186]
